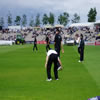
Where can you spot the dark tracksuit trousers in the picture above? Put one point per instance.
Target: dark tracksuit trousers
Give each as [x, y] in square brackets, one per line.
[53, 58]
[58, 51]
[79, 50]
[35, 46]
[81, 54]
[47, 47]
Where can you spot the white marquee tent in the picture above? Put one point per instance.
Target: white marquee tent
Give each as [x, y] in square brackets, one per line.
[14, 28]
[91, 25]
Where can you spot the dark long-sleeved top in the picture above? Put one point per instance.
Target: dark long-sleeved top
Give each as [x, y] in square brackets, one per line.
[82, 44]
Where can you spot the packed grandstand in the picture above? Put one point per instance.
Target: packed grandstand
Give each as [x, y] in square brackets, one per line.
[91, 35]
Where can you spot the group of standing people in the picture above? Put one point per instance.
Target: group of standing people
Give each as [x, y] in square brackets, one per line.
[47, 44]
[53, 56]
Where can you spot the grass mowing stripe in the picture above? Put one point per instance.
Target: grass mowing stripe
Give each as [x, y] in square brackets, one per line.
[92, 62]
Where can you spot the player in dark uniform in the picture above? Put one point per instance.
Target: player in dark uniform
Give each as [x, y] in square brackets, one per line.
[47, 43]
[81, 48]
[52, 57]
[58, 44]
[35, 44]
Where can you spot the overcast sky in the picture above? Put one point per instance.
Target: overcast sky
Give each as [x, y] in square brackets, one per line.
[44, 6]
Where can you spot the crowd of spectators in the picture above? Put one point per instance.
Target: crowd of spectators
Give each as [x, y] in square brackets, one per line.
[70, 32]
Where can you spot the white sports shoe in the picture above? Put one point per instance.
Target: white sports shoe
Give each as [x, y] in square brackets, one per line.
[79, 61]
[49, 80]
[57, 79]
[59, 68]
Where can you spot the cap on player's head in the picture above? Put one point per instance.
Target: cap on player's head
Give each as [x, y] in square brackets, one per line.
[57, 31]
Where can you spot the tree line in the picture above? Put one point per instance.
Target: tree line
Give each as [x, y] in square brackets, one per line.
[62, 19]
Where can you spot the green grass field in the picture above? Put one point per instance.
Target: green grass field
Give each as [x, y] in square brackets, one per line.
[23, 75]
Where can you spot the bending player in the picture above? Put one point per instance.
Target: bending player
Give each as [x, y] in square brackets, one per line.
[52, 57]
